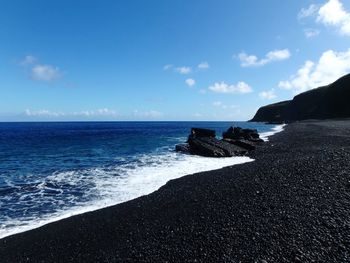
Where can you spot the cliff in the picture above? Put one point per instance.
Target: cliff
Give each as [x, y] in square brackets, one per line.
[328, 102]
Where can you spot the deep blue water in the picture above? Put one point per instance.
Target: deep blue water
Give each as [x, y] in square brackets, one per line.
[53, 170]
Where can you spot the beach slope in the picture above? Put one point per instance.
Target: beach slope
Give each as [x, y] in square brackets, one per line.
[292, 204]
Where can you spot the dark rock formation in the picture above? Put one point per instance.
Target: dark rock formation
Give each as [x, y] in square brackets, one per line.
[326, 102]
[199, 132]
[248, 145]
[212, 147]
[236, 142]
[183, 147]
[237, 133]
[278, 113]
[199, 146]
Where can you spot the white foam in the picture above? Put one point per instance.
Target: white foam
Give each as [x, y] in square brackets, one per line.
[108, 186]
[119, 184]
[278, 128]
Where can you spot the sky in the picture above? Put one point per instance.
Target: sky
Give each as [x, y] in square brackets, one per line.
[165, 60]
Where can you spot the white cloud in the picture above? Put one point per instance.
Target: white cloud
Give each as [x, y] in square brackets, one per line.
[183, 70]
[204, 65]
[45, 73]
[197, 115]
[333, 14]
[239, 88]
[99, 112]
[190, 82]
[268, 95]
[278, 55]
[331, 66]
[152, 114]
[307, 12]
[27, 60]
[219, 104]
[169, 66]
[43, 113]
[311, 32]
[285, 84]
[41, 72]
[254, 61]
[104, 112]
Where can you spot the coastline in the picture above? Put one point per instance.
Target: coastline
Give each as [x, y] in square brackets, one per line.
[143, 186]
[291, 204]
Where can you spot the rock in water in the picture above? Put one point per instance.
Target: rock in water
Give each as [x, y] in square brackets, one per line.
[199, 146]
[236, 142]
[183, 147]
[212, 147]
[229, 149]
[237, 133]
[199, 132]
[248, 145]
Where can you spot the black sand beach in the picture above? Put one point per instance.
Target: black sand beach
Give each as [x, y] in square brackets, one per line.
[291, 205]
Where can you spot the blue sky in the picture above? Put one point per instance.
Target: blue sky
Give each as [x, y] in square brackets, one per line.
[165, 60]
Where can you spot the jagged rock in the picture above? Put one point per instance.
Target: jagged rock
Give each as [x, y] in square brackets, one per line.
[183, 147]
[200, 132]
[236, 142]
[232, 133]
[200, 147]
[253, 133]
[256, 140]
[212, 147]
[248, 145]
[238, 133]
[229, 149]
[250, 131]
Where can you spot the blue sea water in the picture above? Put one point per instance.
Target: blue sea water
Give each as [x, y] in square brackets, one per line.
[50, 171]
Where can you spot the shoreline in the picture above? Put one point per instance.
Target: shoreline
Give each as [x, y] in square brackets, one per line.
[290, 204]
[90, 207]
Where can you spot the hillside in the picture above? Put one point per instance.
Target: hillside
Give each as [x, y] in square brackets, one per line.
[326, 102]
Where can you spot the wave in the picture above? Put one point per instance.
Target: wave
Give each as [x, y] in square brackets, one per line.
[76, 192]
[278, 128]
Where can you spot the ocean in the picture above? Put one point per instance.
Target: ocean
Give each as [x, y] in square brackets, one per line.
[53, 170]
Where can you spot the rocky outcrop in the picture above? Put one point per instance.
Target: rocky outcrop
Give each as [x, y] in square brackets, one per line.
[200, 132]
[248, 145]
[275, 113]
[326, 102]
[212, 147]
[237, 133]
[236, 142]
[182, 147]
